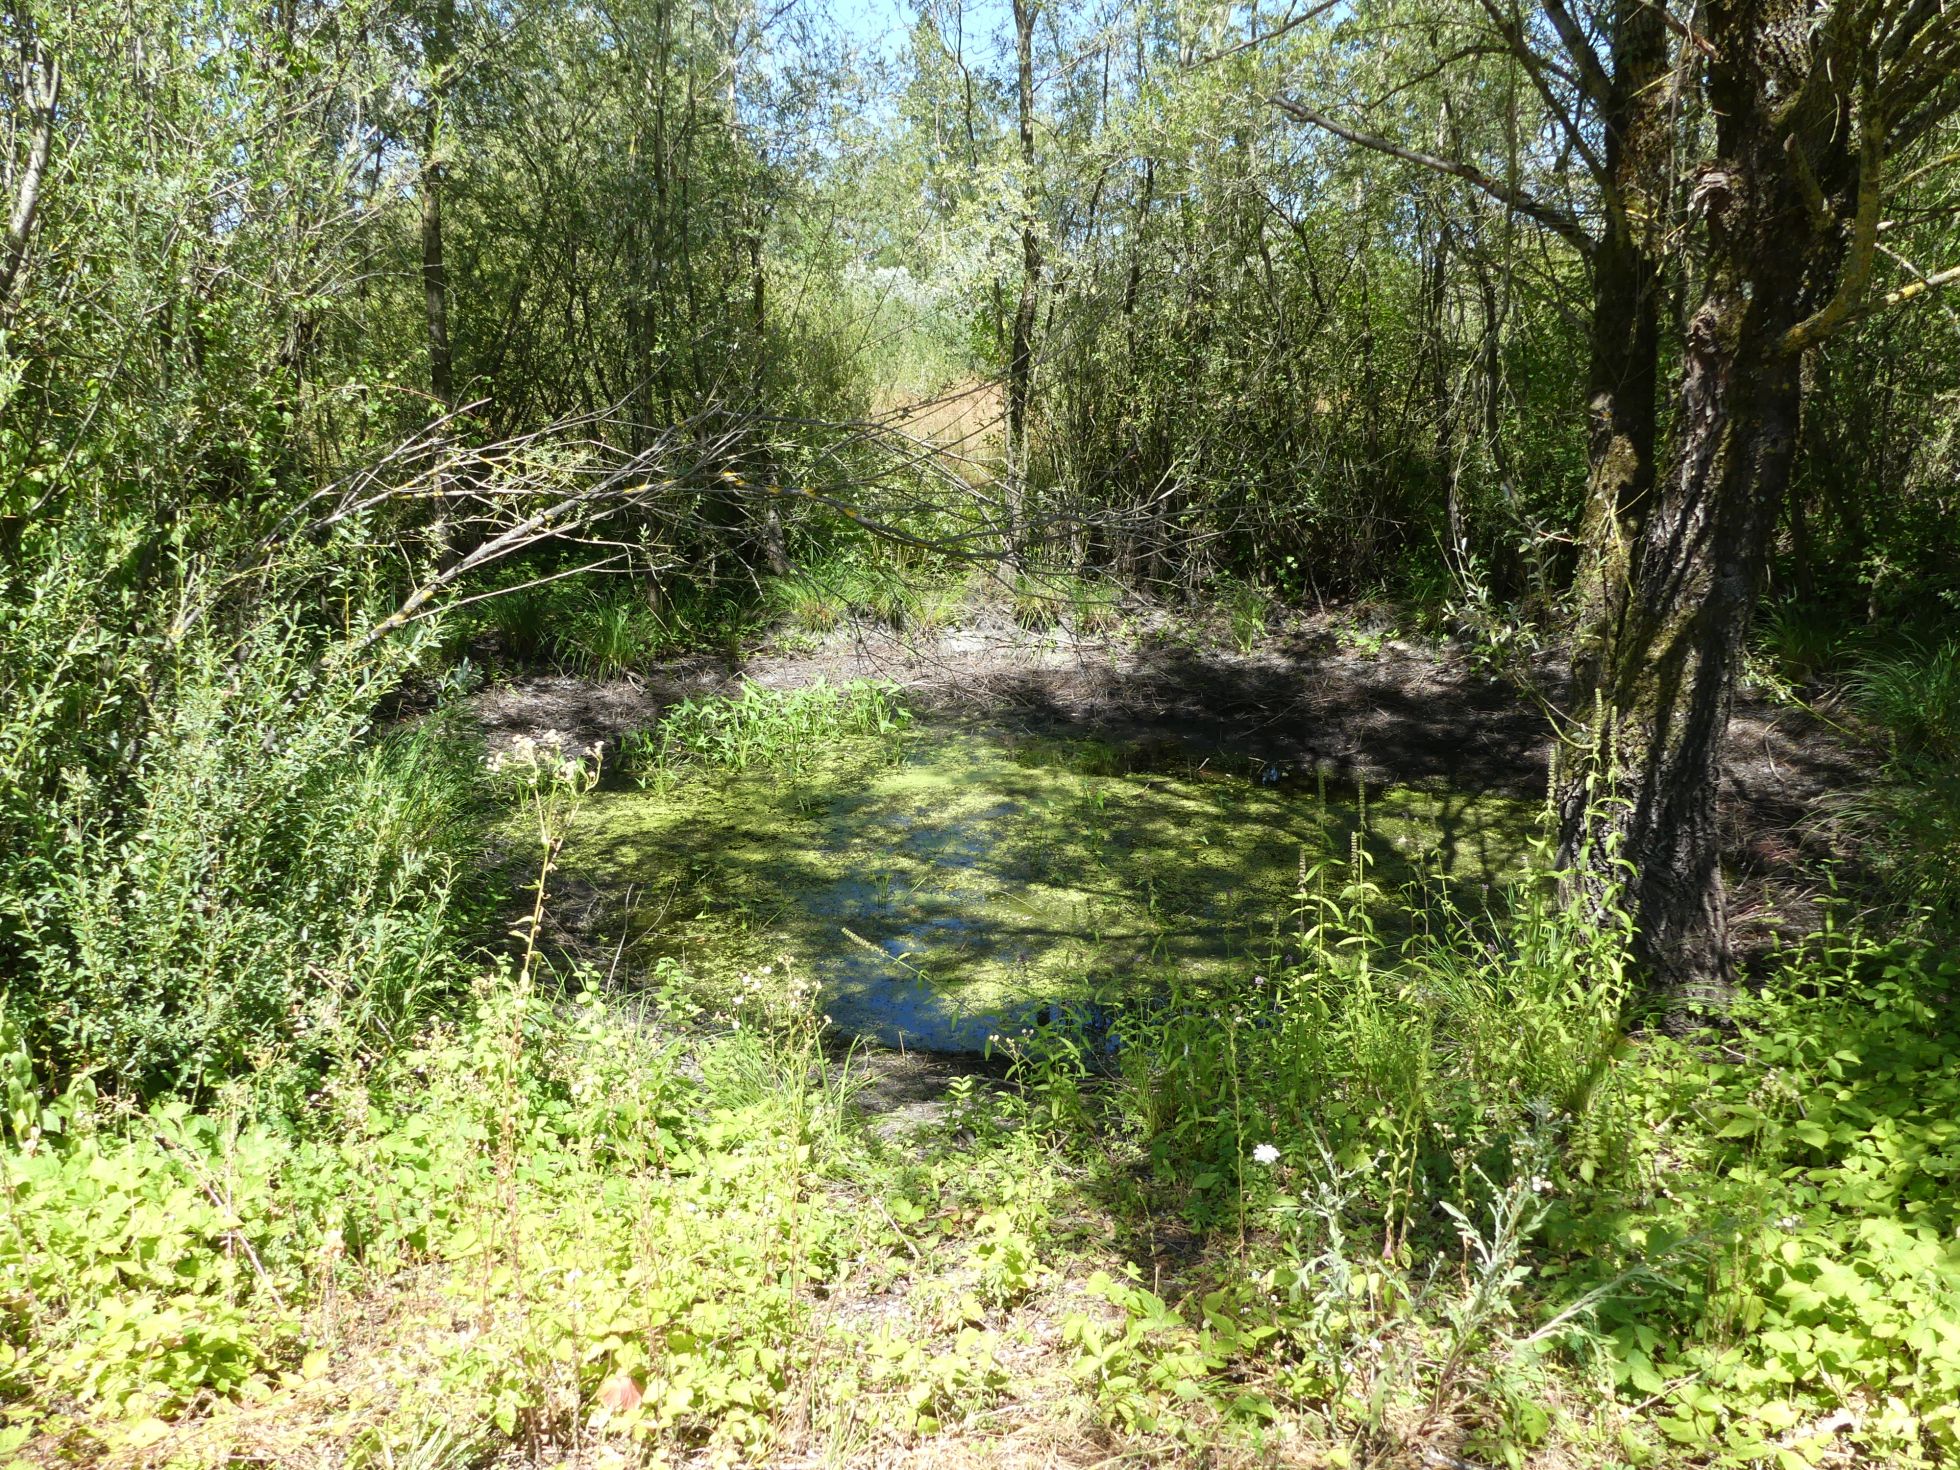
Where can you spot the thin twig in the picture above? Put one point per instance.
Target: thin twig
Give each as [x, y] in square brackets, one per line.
[232, 1233]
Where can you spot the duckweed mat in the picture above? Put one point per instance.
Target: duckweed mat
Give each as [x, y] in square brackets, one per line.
[964, 884]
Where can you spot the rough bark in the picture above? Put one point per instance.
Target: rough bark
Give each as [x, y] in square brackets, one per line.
[1678, 582]
[1645, 788]
[1623, 360]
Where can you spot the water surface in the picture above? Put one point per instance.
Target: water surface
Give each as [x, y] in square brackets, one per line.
[973, 884]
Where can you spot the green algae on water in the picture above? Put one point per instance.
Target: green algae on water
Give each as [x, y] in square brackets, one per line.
[980, 880]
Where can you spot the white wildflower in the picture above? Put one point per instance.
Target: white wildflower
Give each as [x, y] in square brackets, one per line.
[1265, 1153]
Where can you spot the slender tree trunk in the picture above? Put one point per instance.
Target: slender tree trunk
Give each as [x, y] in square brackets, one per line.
[40, 77]
[439, 57]
[1020, 355]
[1812, 450]
[1442, 405]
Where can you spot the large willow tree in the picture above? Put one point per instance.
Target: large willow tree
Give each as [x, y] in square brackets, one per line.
[1740, 156]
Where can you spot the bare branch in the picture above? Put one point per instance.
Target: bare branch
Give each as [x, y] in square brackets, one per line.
[1911, 291]
[1593, 80]
[1565, 226]
[41, 82]
[1289, 24]
[1534, 67]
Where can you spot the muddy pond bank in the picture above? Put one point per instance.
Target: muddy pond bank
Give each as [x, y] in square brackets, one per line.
[951, 865]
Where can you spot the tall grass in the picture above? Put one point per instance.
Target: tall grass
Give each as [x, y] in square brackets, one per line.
[866, 583]
[1801, 639]
[1912, 698]
[610, 627]
[1040, 600]
[1433, 1055]
[1247, 607]
[781, 729]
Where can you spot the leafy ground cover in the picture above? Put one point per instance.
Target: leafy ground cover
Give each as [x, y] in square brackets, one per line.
[1415, 1190]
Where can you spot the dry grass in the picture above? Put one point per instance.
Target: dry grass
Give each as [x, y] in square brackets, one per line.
[966, 422]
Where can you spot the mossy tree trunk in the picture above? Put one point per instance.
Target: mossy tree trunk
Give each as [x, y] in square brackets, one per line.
[1809, 106]
[1623, 359]
[1663, 644]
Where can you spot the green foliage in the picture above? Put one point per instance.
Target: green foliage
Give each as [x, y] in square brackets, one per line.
[1095, 605]
[1429, 1177]
[607, 627]
[863, 582]
[765, 728]
[1912, 697]
[612, 632]
[1501, 638]
[1433, 1062]
[221, 866]
[1800, 640]
[634, 1253]
[253, 1120]
[1043, 600]
[1370, 638]
[1247, 608]
[1791, 1194]
[1448, 1201]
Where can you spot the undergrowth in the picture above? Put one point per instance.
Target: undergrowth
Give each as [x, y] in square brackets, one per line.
[1911, 698]
[1441, 1200]
[610, 627]
[760, 728]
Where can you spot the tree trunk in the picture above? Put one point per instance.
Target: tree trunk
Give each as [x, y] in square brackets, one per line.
[439, 57]
[1020, 355]
[1623, 368]
[33, 116]
[1678, 582]
[1645, 790]
[1449, 462]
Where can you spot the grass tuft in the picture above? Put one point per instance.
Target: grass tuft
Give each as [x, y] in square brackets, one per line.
[770, 729]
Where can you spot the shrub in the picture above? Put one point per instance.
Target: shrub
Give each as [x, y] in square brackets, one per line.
[220, 864]
[1914, 698]
[1801, 639]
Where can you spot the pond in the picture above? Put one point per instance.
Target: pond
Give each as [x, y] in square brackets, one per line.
[970, 883]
